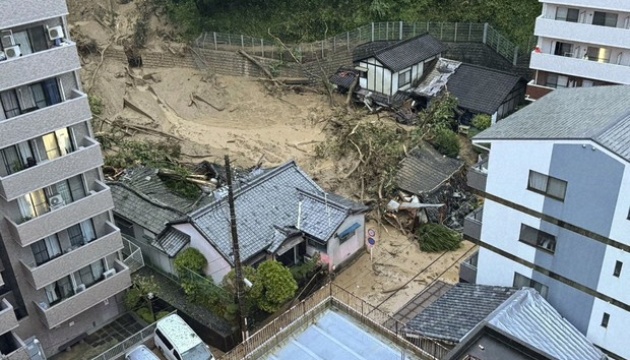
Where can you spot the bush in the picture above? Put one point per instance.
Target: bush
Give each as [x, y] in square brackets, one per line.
[140, 289]
[446, 142]
[275, 284]
[482, 121]
[145, 314]
[191, 259]
[96, 105]
[437, 238]
[305, 270]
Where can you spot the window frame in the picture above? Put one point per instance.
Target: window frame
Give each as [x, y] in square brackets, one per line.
[618, 268]
[606, 17]
[548, 180]
[400, 75]
[566, 16]
[605, 320]
[541, 238]
[542, 289]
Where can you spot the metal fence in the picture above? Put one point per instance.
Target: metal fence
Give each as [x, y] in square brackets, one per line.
[379, 31]
[121, 348]
[306, 311]
[132, 255]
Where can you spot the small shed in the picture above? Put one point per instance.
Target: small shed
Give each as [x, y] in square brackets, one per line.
[424, 170]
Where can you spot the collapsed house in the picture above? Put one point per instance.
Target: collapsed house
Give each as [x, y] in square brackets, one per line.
[406, 76]
[282, 214]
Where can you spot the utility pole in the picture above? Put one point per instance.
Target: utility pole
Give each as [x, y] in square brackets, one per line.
[235, 250]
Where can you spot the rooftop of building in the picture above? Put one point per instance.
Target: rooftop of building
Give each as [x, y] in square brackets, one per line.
[424, 169]
[401, 55]
[600, 114]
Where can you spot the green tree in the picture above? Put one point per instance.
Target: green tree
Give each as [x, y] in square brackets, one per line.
[446, 142]
[139, 296]
[275, 286]
[252, 294]
[191, 259]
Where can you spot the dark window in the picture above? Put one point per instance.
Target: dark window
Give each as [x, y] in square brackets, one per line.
[404, 78]
[618, 266]
[316, 244]
[81, 233]
[10, 104]
[37, 36]
[557, 81]
[605, 19]
[521, 281]
[547, 185]
[601, 55]
[164, 340]
[125, 226]
[177, 355]
[605, 320]
[46, 249]
[90, 274]
[567, 14]
[537, 238]
[563, 49]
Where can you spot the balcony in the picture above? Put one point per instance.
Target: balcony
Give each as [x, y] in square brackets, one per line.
[98, 201]
[468, 269]
[39, 66]
[478, 176]
[472, 224]
[583, 33]
[612, 5]
[616, 74]
[535, 91]
[33, 124]
[8, 321]
[47, 172]
[19, 12]
[72, 259]
[68, 308]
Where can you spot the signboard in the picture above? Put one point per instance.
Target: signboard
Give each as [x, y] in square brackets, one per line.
[371, 241]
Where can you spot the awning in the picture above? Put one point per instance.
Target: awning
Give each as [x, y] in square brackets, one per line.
[349, 230]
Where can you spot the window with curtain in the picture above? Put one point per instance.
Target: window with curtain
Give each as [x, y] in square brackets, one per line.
[33, 204]
[87, 229]
[70, 190]
[21, 38]
[26, 99]
[39, 96]
[10, 160]
[51, 90]
[50, 146]
[64, 141]
[37, 36]
[91, 273]
[601, 55]
[59, 290]
[547, 185]
[567, 14]
[537, 238]
[605, 19]
[46, 249]
[10, 103]
[75, 235]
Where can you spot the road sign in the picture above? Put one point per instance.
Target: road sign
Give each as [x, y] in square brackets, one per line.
[371, 233]
[371, 241]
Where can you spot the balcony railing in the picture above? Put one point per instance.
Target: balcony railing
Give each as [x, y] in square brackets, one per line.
[73, 258]
[17, 12]
[41, 65]
[468, 269]
[74, 110]
[8, 321]
[612, 73]
[102, 290]
[97, 201]
[478, 176]
[88, 156]
[583, 33]
[472, 224]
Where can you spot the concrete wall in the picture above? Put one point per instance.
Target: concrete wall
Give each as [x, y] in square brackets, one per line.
[217, 266]
[614, 337]
[18, 12]
[339, 253]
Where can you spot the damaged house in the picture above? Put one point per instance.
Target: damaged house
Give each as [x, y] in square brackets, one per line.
[281, 213]
[433, 188]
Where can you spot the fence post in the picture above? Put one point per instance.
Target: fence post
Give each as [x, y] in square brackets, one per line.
[262, 47]
[469, 30]
[428, 25]
[348, 39]
[322, 48]
[205, 34]
[334, 43]
[386, 30]
[441, 30]
[215, 39]
[515, 61]
[414, 29]
[455, 34]
[372, 31]
[485, 33]
[400, 31]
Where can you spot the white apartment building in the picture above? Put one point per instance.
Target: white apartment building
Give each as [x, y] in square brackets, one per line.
[581, 43]
[556, 211]
[61, 274]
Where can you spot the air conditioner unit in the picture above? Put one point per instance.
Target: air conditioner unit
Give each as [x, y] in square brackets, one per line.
[55, 32]
[12, 51]
[6, 38]
[56, 202]
[109, 273]
[79, 288]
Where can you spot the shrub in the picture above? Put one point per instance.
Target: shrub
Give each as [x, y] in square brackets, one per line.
[437, 238]
[275, 284]
[96, 105]
[305, 270]
[446, 142]
[191, 259]
[482, 121]
[140, 289]
[145, 314]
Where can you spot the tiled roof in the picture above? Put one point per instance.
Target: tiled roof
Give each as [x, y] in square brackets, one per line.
[344, 77]
[425, 169]
[458, 311]
[403, 54]
[480, 89]
[528, 317]
[321, 216]
[600, 114]
[264, 205]
[172, 241]
[368, 49]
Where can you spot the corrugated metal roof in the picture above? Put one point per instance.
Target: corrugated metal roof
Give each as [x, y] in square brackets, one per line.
[597, 113]
[425, 169]
[527, 316]
[336, 337]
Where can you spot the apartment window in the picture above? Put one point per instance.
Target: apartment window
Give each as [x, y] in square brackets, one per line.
[617, 271]
[70, 189]
[547, 185]
[521, 281]
[30, 97]
[404, 78]
[601, 55]
[81, 233]
[16, 158]
[90, 274]
[567, 14]
[33, 204]
[563, 49]
[537, 238]
[605, 319]
[31, 40]
[46, 249]
[59, 290]
[557, 81]
[57, 143]
[605, 19]
[126, 227]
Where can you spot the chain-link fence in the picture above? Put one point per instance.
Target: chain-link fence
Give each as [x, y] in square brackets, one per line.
[380, 31]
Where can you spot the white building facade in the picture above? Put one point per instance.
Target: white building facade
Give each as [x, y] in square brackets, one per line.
[581, 43]
[556, 210]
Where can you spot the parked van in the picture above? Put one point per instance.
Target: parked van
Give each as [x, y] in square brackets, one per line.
[141, 353]
[177, 341]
